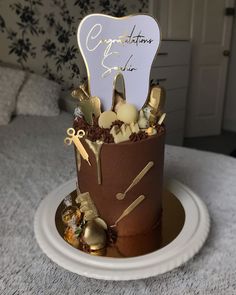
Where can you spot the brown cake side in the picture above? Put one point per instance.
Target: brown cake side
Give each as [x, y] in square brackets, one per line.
[120, 164]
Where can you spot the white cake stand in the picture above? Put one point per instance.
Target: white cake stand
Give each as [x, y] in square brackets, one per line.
[182, 248]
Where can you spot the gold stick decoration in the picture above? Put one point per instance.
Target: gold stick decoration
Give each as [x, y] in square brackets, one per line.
[162, 118]
[75, 139]
[121, 196]
[131, 207]
[83, 87]
[79, 94]
[96, 148]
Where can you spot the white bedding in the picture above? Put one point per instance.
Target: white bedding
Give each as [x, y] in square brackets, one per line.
[34, 161]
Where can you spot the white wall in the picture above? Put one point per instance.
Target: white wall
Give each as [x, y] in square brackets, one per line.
[229, 122]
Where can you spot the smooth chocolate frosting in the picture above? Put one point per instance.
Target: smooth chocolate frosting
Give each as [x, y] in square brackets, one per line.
[120, 164]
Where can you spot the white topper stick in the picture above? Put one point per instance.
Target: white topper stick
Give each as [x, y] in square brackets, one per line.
[112, 46]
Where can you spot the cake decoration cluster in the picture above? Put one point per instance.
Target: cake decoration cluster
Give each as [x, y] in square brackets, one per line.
[85, 229]
[123, 121]
[121, 124]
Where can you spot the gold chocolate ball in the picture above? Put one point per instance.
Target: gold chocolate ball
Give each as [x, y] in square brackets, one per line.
[94, 235]
[101, 222]
[106, 118]
[127, 113]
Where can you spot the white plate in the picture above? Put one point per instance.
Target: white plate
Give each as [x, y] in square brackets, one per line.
[181, 249]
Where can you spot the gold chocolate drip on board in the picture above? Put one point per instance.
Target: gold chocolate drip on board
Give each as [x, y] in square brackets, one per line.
[96, 146]
[121, 196]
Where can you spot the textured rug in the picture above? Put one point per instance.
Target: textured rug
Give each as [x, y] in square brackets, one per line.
[34, 161]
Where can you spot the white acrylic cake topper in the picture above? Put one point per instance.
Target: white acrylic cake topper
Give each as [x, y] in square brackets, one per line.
[111, 46]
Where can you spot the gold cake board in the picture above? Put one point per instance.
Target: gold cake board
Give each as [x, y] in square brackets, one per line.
[182, 232]
[171, 224]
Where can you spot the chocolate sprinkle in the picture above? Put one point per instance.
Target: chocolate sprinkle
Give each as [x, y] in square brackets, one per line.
[111, 235]
[138, 136]
[117, 123]
[160, 129]
[94, 132]
[80, 123]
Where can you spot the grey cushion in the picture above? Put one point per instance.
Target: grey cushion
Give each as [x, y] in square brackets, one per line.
[38, 96]
[10, 83]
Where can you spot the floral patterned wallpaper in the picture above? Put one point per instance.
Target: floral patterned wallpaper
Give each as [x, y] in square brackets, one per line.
[40, 35]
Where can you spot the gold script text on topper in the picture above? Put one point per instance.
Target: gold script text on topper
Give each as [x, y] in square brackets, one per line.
[114, 46]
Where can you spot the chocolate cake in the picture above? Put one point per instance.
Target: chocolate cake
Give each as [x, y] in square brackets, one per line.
[120, 164]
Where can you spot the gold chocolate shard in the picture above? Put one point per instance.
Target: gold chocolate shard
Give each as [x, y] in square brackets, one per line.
[143, 122]
[90, 107]
[155, 104]
[121, 134]
[157, 98]
[87, 206]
